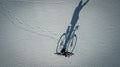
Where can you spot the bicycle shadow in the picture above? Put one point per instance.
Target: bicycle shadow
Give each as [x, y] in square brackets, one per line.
[73, 27]
[67, 54]
[75, 17]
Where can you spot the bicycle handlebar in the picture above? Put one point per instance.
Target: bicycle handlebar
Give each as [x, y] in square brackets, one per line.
[76, 28]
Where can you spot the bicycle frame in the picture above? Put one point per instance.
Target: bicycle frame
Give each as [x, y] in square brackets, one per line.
[69, 34]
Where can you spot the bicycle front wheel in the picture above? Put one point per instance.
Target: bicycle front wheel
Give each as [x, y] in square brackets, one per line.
[72, 43]
[61, 43]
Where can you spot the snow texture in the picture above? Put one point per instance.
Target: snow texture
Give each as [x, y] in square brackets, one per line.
[30, 29]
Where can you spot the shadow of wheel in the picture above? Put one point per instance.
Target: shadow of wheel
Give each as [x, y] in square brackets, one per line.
[61, 43]
[70, 46]
[72, 43]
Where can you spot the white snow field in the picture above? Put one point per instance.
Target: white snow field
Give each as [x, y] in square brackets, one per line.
[30, 29]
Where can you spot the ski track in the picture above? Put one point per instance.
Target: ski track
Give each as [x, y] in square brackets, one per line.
[26, 27]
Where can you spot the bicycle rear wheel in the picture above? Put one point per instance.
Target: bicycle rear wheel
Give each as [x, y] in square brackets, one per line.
[61, 43]
[72, 43]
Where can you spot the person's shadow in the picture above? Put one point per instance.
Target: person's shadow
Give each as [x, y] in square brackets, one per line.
[73, 23]
[75, 16]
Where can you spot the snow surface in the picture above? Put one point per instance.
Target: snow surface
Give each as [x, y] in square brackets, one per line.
[30, 29]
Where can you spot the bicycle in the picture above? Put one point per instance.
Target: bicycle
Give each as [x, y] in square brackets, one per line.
[67, 40]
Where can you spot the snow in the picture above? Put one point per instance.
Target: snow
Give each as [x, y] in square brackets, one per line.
[30, 29]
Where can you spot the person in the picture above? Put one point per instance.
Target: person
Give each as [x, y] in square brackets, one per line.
[74, 20]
